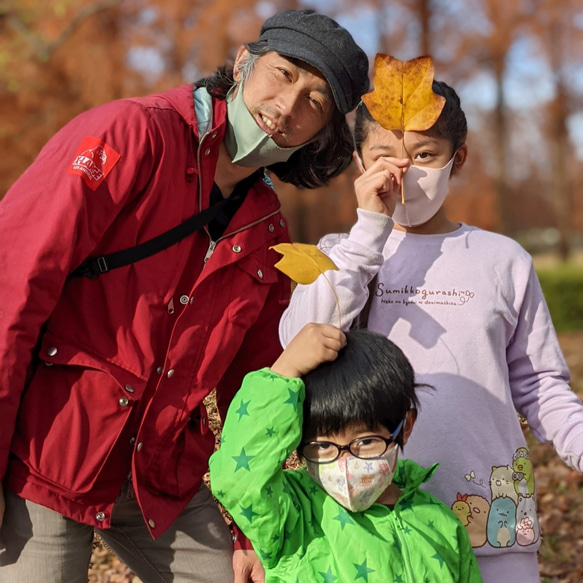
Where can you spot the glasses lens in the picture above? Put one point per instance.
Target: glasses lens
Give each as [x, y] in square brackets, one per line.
[320, 451]
[368, 447]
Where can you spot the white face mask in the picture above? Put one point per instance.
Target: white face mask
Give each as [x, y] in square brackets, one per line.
[353, 482]
[425, 190]
[247, 144]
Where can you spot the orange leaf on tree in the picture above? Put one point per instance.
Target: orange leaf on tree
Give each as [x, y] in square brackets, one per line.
[403, 98]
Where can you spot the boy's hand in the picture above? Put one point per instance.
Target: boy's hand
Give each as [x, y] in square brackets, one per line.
[313, 345]
[378, 188]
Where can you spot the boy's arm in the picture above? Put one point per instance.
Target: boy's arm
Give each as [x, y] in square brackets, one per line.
[261, 429]
[358, 256]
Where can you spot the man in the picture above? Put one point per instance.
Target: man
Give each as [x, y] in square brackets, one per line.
[105, 365]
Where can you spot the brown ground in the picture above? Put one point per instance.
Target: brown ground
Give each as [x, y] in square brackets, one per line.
[560, 499]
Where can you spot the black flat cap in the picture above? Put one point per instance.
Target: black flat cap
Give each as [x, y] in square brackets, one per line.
[321, 42]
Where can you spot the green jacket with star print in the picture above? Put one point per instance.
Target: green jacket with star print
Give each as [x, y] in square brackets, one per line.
[300, 533]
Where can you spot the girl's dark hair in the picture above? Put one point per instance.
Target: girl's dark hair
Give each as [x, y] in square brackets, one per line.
[371, 383]
[451, 124]
[326, 156]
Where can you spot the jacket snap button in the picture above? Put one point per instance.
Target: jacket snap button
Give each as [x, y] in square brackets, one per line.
[184, 300]
[159, 370]
[52, 351]
[100, 516]
[281, 223]
[132, 440]
[207, 151]
[260, 274]
[170, 373]
[129, 388]
[237, 248]
[151, 523]
[124, 401]
[271, 228]
[214, 135]
[139, 446]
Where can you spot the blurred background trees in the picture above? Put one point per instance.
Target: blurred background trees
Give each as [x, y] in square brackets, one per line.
[517, 65]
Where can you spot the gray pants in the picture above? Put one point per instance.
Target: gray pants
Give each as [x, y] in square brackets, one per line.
[38, 545]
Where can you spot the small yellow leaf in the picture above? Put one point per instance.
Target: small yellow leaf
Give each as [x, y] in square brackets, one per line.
[302, 263]
[403, 98]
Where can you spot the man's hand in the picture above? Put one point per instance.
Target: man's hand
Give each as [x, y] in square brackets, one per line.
[247, 567]
[313, 345]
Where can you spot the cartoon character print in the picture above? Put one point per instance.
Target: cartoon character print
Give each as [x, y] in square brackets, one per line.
[461, 509]
[480, 508]
[523, 475]
[527, 529]
[509, 517]
[502, 483]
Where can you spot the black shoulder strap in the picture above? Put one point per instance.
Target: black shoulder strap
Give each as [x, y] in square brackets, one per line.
[361, 321]
[93, 267]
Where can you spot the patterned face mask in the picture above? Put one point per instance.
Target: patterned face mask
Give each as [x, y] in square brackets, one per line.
[354, 482]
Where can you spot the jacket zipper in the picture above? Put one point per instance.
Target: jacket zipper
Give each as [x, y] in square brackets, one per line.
[409, 572]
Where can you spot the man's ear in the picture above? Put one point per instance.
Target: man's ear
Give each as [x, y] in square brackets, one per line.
[459, 159]
[358, 161]
[409, 423]
[242, 53]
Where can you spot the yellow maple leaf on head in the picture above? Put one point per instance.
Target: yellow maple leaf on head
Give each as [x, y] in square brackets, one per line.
[302, 263]
[403, 98]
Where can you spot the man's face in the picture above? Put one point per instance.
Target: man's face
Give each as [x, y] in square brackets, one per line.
[290, 100]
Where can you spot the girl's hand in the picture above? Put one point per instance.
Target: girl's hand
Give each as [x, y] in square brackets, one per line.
[313, 345]
[378, 188]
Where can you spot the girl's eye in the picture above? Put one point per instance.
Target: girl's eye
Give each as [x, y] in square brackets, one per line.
[422, 156]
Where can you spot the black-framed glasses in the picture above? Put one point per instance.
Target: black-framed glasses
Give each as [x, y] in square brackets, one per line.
[366, 447]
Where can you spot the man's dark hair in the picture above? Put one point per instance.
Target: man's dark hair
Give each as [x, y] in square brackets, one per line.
[371, 383]
[326, 156]
[450, 125]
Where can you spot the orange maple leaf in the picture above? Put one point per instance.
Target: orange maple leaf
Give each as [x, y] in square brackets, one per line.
[403, 99]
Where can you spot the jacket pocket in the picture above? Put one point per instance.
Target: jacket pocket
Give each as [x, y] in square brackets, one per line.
[72, 416]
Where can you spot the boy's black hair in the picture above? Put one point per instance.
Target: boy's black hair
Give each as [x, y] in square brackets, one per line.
[451, 124]
[371, 383]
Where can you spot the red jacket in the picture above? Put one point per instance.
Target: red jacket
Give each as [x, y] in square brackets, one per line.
[127, 358]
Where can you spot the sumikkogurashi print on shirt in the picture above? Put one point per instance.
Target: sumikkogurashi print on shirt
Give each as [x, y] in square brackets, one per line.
[500, 511]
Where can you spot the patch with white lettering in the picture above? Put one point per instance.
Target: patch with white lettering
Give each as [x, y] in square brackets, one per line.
[93, 161]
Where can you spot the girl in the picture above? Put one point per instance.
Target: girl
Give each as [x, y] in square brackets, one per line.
[466, 307]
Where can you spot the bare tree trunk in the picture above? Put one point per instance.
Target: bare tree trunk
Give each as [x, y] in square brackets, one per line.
[425, 16]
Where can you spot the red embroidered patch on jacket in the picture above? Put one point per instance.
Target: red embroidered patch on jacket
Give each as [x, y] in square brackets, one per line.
[93, 161]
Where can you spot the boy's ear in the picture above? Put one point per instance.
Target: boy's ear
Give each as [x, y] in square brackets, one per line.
[409, 423]
[460, 159]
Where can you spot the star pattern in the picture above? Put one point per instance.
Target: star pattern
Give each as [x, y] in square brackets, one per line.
[269, 491]
[242, 410]
[248, 513]
[270, 431]
[439, 558]
[328, 577]
[243, 460]
[293, 398]
[362, 571]
[343, 518]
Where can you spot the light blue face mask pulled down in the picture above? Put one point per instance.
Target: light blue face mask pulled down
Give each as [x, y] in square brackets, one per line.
[247, 144]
